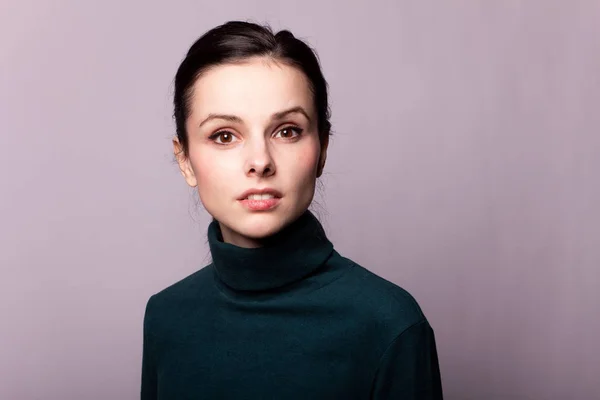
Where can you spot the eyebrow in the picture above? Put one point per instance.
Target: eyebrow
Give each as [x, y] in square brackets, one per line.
[276, 116]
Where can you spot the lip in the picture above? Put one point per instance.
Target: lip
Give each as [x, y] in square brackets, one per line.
[270, 191]
[260, 205]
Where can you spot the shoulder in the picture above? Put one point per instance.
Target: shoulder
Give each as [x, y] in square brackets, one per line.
[385, 304]
[189, 289]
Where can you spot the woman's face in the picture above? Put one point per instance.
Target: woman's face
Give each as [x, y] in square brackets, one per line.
[253, 126]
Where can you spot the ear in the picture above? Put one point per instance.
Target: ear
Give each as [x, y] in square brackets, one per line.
[185, 165]
[323, 156]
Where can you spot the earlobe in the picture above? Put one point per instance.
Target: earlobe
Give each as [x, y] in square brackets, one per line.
[323, 156]
[321, 165]
[184, 164]
[188, 174]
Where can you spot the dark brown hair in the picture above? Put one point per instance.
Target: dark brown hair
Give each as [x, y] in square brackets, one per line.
[234, 42]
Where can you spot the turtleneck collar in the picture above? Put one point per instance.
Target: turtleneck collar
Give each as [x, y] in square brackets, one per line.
[286, 257]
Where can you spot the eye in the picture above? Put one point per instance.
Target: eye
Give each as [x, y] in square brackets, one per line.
[289, 132]
[223, 137]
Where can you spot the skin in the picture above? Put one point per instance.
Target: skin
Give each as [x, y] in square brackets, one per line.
[256, 149]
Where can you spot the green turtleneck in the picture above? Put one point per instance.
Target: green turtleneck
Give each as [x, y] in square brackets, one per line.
[290, 320]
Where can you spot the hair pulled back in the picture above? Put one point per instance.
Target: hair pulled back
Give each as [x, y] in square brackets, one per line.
[234, 42]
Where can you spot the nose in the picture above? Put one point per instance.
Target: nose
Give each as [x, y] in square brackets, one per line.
[259, 161]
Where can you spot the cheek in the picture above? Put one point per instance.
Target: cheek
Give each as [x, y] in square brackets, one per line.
[214, 174]
[305, 162]
[309, 156]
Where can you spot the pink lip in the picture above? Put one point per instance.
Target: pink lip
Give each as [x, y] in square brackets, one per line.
[260, 205]
[248, 192]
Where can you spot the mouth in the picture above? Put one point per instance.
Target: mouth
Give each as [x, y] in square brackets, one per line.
[260, 194]
[260, 197]
[260, 200]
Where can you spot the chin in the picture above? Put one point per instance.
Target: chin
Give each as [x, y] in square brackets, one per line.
[251, 226]
[256, 226]
[260, 225]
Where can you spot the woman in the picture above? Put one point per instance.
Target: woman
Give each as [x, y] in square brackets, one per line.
[278, 314]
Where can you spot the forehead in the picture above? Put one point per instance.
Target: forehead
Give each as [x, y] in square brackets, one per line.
[254, 89]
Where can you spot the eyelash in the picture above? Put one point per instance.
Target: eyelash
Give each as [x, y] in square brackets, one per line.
[217, 134]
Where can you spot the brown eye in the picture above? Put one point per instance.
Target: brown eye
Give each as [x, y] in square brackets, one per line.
[223, 137]
[290, 132]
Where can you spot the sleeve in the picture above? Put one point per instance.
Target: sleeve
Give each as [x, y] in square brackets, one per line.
[409, 368]
[149, 381]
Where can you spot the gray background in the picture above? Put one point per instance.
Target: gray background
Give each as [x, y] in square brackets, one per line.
[463, 168]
